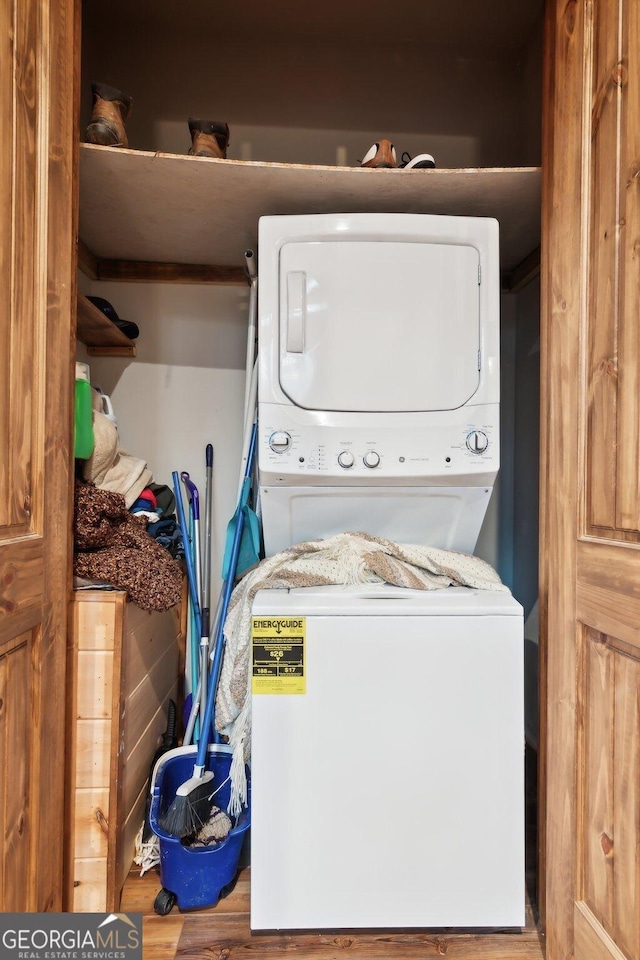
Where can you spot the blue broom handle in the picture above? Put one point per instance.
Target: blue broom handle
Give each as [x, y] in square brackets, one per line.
[226, 596]
[182, 523]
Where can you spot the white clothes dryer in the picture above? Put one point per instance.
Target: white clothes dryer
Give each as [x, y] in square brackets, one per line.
[378, 377]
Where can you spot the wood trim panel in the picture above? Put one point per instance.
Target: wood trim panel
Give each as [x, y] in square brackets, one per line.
[608, 592]
[95, 619]
[14, 755]
[118, 708]
[21, 576]
[112, 351]
[90, 879]
[602, 319]
[628, 169]
[608, 773]
[92, 822]
[62, 38]
[548, 95]
[138, 758]
[6, 241]
[87, 261]
[626, 806]
[562, 306]
[142, 271]
[151, 637]
[619, 536]
[591, 941]
[92, 752]
[595, 881]
[29, 223]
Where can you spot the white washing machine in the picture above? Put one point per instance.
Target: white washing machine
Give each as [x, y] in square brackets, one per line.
[387, 785]
[390, 793]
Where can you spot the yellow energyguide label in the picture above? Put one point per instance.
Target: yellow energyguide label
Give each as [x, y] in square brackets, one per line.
[277, 658]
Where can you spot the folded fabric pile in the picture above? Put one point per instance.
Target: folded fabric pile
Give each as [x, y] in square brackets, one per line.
[110, 545]
[349, 558]
[110, 467]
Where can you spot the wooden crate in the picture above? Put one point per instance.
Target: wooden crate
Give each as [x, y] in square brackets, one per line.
[125, 670]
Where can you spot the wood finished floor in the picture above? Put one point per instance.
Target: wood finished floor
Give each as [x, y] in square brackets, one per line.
[223, 933]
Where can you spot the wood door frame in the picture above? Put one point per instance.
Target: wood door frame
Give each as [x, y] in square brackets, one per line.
[562, 298]
[36, 565]
[575, 553]
[62, 220]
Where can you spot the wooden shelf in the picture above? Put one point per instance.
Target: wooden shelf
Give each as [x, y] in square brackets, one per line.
[170, 209]
[101, 337]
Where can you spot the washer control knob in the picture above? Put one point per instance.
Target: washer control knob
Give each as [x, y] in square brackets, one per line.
[345, 459]
[477, 441]
[371, 459]
[280, 441]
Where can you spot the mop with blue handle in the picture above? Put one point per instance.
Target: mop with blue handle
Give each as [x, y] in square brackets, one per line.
[202, 620]
[193, 802]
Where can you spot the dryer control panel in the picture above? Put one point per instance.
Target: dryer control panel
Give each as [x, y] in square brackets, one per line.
[450, 451]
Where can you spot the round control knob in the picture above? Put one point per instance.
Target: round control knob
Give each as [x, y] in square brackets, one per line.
[280, 441]
[345, 459]
[371, 459]
[477, 441]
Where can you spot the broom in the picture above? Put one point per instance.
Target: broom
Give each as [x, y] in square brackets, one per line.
[193, 801]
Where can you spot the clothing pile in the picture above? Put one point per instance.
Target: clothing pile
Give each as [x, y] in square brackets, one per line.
[156, 507]
[112, 546]
[348, 558]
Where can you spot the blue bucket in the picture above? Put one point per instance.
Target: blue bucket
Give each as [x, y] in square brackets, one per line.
[197, 875]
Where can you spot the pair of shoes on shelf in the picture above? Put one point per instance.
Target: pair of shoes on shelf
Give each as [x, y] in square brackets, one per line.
[383, 155]
[111, 107]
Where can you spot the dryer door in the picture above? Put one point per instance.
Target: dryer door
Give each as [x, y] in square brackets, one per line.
[379, 326]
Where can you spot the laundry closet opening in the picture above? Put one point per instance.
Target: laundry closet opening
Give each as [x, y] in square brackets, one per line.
[305, 94]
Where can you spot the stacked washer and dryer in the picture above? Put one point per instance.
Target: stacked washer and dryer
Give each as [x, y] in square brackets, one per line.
[390, 793]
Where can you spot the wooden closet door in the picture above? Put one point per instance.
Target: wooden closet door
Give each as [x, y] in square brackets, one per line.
[37, 273]
[590, 508]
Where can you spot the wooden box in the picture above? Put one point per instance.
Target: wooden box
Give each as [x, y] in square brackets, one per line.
[125, 670]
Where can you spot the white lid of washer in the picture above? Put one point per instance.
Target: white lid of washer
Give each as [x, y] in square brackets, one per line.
[384, 600]
[379, 326]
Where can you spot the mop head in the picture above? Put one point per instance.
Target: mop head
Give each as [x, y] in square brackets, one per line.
[147, 852]
[191, 807]
[215, 829]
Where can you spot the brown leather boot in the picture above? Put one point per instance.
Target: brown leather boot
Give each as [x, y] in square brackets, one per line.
[380, 154]
[110, 110]
[209, 138]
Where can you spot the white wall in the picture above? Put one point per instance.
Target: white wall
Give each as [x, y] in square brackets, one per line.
[185, 388]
